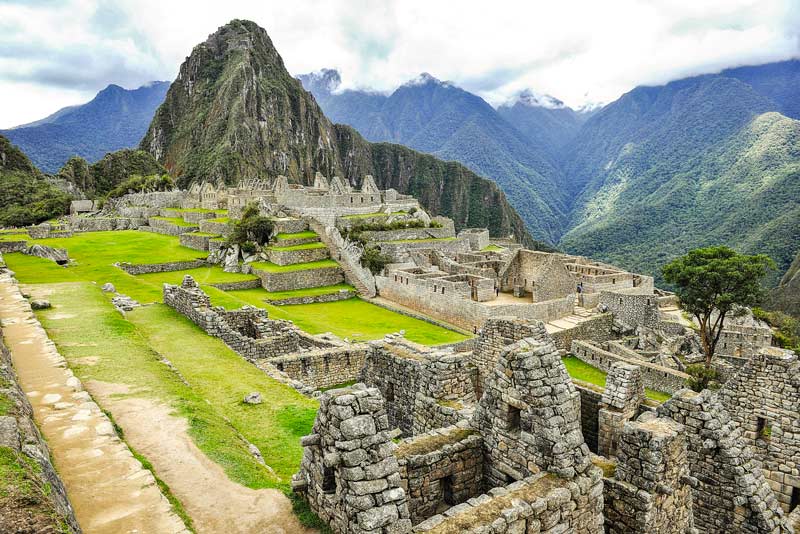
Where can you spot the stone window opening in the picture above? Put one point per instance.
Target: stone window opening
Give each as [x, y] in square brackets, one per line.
[280, 366]
[613, 280]
[328, 480]
[389, 392]
[514, 418]
[326, 364]
[794, 501]
[442, 290]
[620, 300]
[447, 491]
[304, 363]
[434, 288]
[763, 429]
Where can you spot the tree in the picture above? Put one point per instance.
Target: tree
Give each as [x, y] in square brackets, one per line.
[373, 260]
[252, 227]
[713, 283]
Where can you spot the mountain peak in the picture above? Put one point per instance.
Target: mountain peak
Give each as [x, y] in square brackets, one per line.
[426, 78]
[529, 97]
[323, 81]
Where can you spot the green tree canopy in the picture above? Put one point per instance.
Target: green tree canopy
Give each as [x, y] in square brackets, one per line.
[715, 282]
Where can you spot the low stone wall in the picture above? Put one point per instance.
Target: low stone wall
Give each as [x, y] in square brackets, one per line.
[542, 503]
[591, 396]
[12, 246]
[286, 281]
[288, 226]
[430, 413]
[215, 227]
[19, 432]
[397, 378]
[408, 233]
[235, 286]
[399, 252]
[654, 376]
[195, 241]
[291, 257]
[105, 224]
[342, 294]
[145, 268]
[163, 226]
[137, 212]
[632, 310]
[442, 467]
[193, 217]
[598, 328]
[324, 368]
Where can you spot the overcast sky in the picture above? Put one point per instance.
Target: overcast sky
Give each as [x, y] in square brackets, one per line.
[55, 53]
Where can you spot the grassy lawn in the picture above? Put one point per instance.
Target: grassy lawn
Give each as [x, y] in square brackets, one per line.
[220, 220]
[308, 234]
[100, 344]
[203, 234]
[492, 248]
[14, 236]
[588, 373]
[198, 210]
[203, 276]
[273, 268]
[94, 255]
[354, 318]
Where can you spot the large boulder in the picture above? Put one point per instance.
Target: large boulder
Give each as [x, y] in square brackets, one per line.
[230, 262]
[58, 255]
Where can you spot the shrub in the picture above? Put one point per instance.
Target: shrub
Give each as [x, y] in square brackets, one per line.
[143, 184]
[248, 247]
[700, 377]
[373, 260]
[252, 227]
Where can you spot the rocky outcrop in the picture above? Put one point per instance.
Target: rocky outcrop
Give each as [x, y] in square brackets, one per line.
[58, 255]
[786, 297]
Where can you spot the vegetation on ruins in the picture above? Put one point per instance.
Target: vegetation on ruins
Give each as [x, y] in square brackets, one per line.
[713, 283]
[252, 229]
[143, 184]
[374, 260]
[786, 329]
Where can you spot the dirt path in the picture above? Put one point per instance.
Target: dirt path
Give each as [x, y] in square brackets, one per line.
[108, 488]
[214, 502]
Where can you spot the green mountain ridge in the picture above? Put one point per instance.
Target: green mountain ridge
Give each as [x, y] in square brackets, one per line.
[234, 112]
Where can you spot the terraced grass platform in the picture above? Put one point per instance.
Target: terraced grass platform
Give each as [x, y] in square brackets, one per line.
[588, 373]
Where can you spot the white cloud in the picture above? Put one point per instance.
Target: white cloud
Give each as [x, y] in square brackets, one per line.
[61, 51]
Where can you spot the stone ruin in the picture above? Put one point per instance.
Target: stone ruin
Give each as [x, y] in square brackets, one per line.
[493, 441]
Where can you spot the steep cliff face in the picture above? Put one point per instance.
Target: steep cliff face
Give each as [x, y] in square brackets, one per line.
[234, 112]
[786, 297]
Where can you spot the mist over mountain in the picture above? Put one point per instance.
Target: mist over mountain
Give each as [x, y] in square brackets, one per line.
[116, 118]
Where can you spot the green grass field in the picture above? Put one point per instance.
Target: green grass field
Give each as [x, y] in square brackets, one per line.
[100, 344]
[94, 254]
[273, 268]
[588, 373]
[306, 246]
[308, 234]
[177, 221]
[354, 318]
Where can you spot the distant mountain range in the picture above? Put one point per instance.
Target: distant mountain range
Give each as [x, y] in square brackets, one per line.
[439, 118]
[707, 159]
[116, 118]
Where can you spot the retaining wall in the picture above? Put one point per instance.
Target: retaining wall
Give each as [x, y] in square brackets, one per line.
[286, 281]
[144, 268]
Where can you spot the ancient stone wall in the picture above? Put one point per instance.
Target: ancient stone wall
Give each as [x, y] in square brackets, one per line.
[288, 257]
[462, 312]
[764, 399]
[408, 233]
[216, 227]
[529, 416]
[144, 268]
[632, 310]
[597, 328]
[197, 241]
[654, 376]
[623, 394]
[496, 336]
[440, 468]
[590, 407]
[12, 246]
[649, 492]
[105, 224]
[342, 294]
[729, 490]
[541, 274]
[478, 237]
[399, 251]
[539, 504]
[286, 281]
[349, 474]
[324, 368]
[235, 286]
[164, 226]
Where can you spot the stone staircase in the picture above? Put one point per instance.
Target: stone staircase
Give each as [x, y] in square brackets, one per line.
[354, 274]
